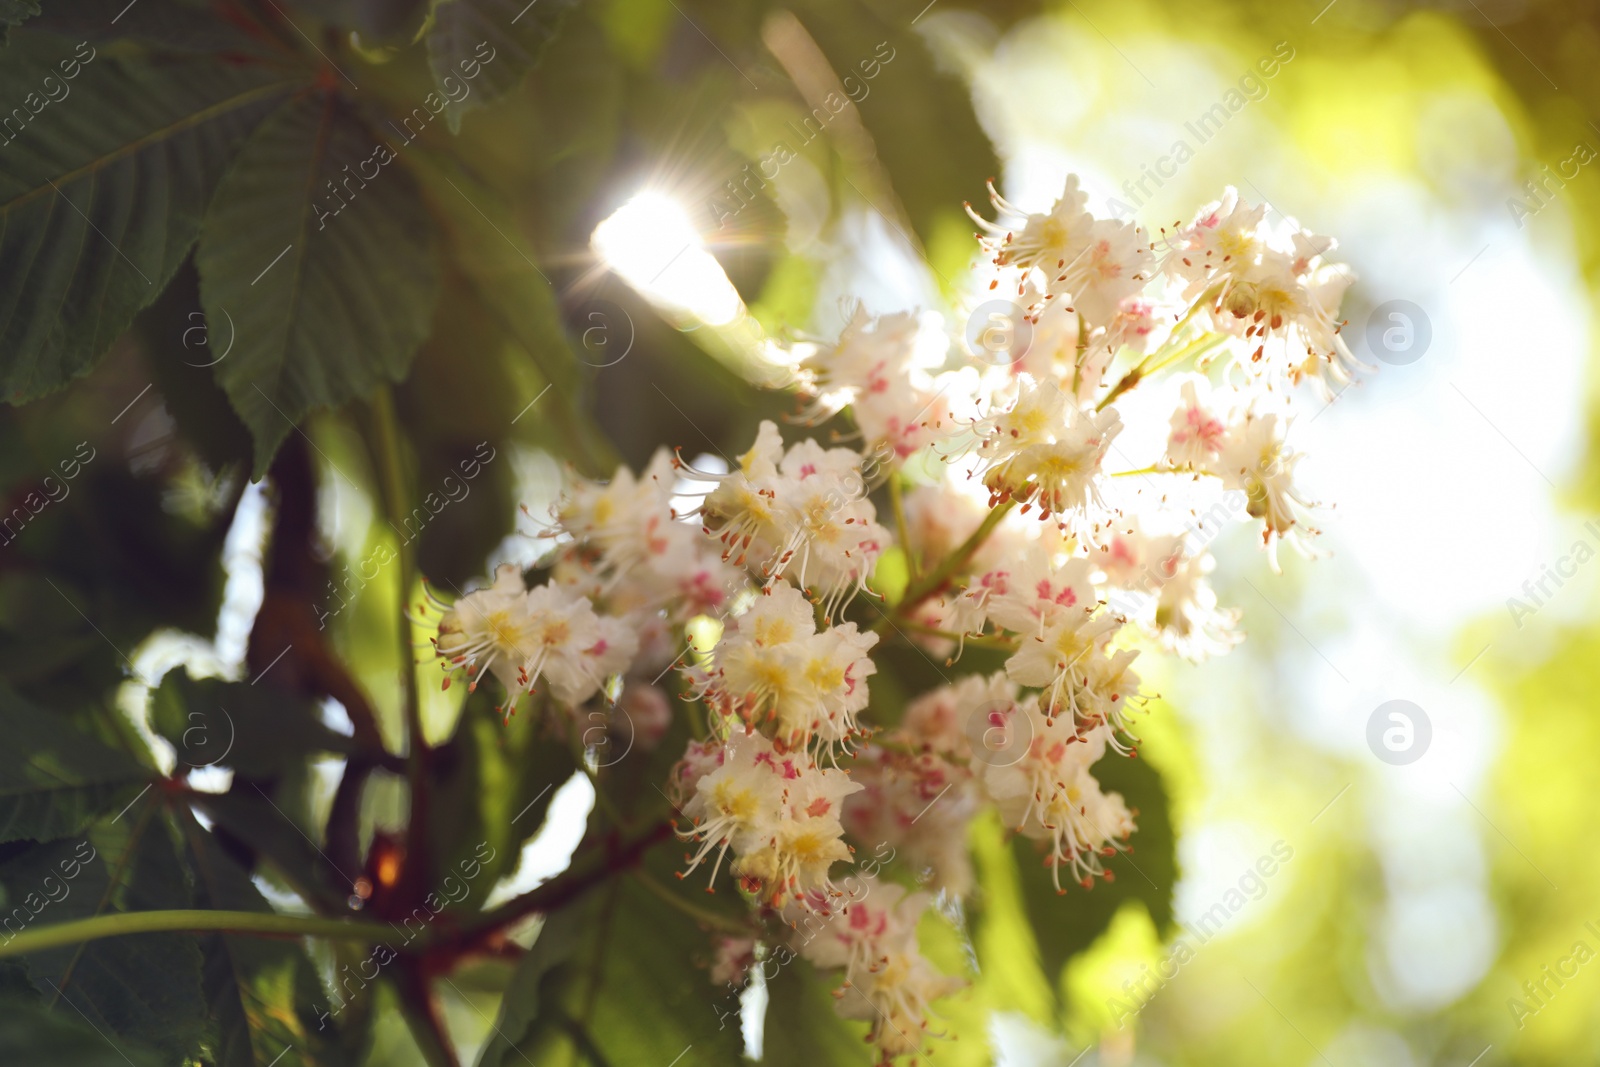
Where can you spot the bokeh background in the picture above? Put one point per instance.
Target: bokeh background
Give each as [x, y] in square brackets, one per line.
[1452, 148]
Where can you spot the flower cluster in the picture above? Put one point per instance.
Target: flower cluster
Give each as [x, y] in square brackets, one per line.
[880, 369]
[791, 582]
[779, 814]
[773, 665]
[802, 514]
[525, 635]
[1269, 285]
[1247, 451]
[888, 982]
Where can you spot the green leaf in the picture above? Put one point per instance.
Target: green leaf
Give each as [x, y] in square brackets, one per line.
[1066, 925]
[803, 1026]
[261, 995]
[102, 193]
[318, 261]
[145, 987]
[921, 117]
[178, 351]
[492, 784]
[54, 779]
[15, 13]
[91, 579]
[523, 998]
[518, 297]
[485, 245]
[32, 1034]
[636, 990]
[253, 819]
[258, 732]
[183, 25]
[1003, 936]
[479, 50]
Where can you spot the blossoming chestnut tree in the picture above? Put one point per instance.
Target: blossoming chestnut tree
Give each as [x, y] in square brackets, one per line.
[426, 643]
[765, 588]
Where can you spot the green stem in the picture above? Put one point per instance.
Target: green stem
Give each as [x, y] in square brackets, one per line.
[1157, 362]
[1128, 381]
[423, 1016]
[898, 505]
[699, 720]
[1194, 348]
[262, 923]
[1165, 356]
[396, 496]
[1077, 360]
[581, 1040]
[936, 579]
[1194, 309]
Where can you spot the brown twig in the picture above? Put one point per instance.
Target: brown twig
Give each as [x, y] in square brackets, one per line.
[619, 856]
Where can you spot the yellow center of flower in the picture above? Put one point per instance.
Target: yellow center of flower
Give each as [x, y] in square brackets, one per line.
[825, 674]
[810, 847]
[733, 801]
[505, 630]
[555, 632]
[1236, 243]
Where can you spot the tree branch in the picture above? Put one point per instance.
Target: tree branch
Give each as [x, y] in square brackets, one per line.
[423, 1015]
[936, 579]
[565, 888]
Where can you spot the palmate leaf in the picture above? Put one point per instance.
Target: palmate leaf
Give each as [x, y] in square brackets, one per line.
[518, 298]
[15, 13]
[921, 117]
[54, 780]
[485, 244]
[318, 263]
[491, 788]
[183, 25]
[250, 816]
[144, 987]
[634, 989]
[255, 730]
[105, 180]
[30, 1033]
[497, 41]
[524, 998]
[262, 996]
[803, 1025]
[176, 347]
